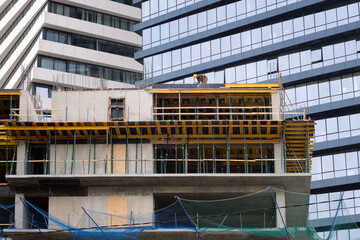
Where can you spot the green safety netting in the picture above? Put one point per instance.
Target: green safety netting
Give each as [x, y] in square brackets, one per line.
[259, 215]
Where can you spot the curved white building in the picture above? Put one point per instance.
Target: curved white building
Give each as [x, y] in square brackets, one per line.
[69, 44]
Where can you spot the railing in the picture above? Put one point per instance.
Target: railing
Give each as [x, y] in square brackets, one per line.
[44, 113]
[147, 166]
[232, 112]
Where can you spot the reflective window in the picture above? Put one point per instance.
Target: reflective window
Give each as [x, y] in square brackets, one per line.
[91, 16]
[88, 70]
[337, 127]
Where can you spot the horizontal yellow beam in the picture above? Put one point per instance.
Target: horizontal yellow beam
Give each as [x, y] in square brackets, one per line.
[211, 91]
[256, 85]
[9, 93]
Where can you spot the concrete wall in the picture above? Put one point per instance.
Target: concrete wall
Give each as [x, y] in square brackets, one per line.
[94, 105]
[98, 163]
[68, 209]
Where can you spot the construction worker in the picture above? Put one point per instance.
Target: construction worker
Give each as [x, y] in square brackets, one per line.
[201, 78]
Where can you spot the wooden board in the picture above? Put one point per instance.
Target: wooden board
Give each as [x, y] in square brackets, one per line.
[116, 206]
[119, 155]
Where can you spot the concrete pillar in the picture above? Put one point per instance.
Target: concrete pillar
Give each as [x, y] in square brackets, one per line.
[21, 155]
[276, 103]
[277, 155]
[280, 198]
[20, 212]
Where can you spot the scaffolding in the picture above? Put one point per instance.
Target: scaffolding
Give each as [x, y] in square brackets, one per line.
[229, 129]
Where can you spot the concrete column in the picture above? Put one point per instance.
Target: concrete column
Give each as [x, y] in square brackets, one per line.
[20, 212]
[276, 102]
[21, 155]
[280, 198]
[277, 155]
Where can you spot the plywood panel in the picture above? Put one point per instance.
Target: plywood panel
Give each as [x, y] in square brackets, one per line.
[119, 154]
[117, 206]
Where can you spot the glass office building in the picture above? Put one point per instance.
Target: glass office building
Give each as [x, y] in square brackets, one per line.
[314, 43]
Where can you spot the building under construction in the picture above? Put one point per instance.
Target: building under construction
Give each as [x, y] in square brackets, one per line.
[129, 152]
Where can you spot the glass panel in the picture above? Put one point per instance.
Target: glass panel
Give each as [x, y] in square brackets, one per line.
[339, 161]
[347, 84]
[335, 86]
[331, 125]
[355, 121]
[324, 89]
[312, 91]
[344, 123]
[327, 163]
[301, 95]
[351, 160]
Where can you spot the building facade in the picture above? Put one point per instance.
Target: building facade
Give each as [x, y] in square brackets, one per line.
[77, 44]
[313, 43]
[126, 153]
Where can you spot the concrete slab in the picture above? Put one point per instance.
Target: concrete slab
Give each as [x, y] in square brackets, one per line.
[158, 183]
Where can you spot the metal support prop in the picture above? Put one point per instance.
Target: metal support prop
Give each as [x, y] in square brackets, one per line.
[73, 155]
[228, 152]
[284, 139]
[111, 152]
[107, 151]
[89, 151]
[179, 106]
[266, 162]
[198, 150]
[47, 161]
[166, 153]
[11, 113]
[183, 149]
[282, 148]
[187, 154]
[55, 134]
[213, 150]
[141, 152]
[307, 150]
[155, 166]
[7, 151]
[230, 106]
[176, 129]
[67, 153]
[27, 152]
[94, 155]
[245, 153]
[136, 157]
[127, 151]
[261, 152]
[13, 159]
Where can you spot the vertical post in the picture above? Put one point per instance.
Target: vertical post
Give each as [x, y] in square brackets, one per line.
[27, 153]
[284, 139]
[46, 114]
[73, 155]
[89, 151]
[307, 150]
[230, 111]
[183, 148]
[198, 150]
[55, 152]
[48, 156]
[87, 114]
[127, 151]
[261, 152]
[166, 153]
[245, 152]
[27, 114]
[228, 152]
[11, 113]
[7, 150]
[179, 106]
[67, 153]
[217, 107]
[176, 129]
[94, 155]
[213, 150]
[111, 152]
[155, 167]
[66, 114]
[141, 152]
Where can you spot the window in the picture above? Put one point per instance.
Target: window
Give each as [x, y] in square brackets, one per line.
[316, 56]
[117, 109]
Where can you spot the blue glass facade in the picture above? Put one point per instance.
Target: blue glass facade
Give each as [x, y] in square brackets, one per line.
[314, 43]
